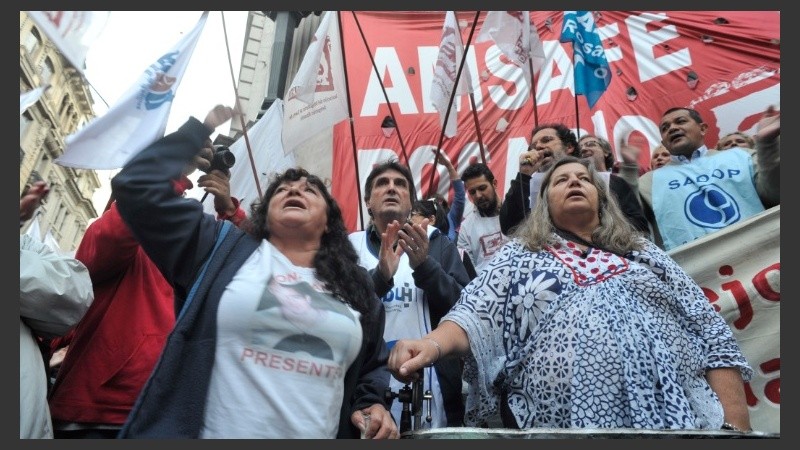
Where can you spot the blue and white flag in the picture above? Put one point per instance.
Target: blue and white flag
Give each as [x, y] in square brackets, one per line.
[35, 230]
[140, 116]
[592, 73]
[50, 241]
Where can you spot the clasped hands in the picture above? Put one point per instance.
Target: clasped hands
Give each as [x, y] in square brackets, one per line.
[411, 239]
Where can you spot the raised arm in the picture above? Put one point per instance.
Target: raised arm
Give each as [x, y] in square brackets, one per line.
[768, 153]
[456, 212]
[173, 230]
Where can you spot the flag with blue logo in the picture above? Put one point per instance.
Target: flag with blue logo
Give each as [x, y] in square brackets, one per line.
[590, 66]
[139, 118]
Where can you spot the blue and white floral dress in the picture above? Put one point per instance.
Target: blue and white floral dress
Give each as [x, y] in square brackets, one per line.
[592, 341]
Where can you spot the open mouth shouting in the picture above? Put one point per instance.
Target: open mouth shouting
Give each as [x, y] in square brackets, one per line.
[294, 203]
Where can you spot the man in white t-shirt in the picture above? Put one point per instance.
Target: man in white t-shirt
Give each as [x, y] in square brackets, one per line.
[480, 234]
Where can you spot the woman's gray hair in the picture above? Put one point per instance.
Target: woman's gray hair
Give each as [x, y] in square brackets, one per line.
[615, 233]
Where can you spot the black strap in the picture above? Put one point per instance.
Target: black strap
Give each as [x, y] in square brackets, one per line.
[568, 235]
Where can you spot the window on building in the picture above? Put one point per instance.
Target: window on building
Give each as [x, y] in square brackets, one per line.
[44, 166]
[25, 121]
[72, 120]
[32, 42]
[60, 217]
[65, 103]
[48, 69]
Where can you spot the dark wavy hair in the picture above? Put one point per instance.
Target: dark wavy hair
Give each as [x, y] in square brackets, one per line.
[432, 207]
[475, 171]
[336, 261]
[566, 135]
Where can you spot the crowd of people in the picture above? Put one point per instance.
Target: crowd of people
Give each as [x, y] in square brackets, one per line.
[556, 305]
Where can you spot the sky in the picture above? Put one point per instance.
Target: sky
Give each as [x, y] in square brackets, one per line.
[132, 40]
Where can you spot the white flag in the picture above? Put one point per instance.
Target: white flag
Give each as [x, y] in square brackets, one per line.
[28, 99]
[50, 241]
[265, 141]
[34, 230]
[451, 53]
[71, 31]
[317, 98]
[138, 119]
[516, 37]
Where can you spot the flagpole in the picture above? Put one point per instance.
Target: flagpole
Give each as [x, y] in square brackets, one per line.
[577, 117]
[533, 76]
[477, 128]
[352, 123]
[383, 88]
[533, 94]
[241, 113]
[452, 96]
[474, 115]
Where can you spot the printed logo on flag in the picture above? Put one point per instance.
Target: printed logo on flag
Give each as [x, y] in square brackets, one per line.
[448, 55]
[325, 81]
[591, 71]
[324, 72]
[521, 48]
[157, 88]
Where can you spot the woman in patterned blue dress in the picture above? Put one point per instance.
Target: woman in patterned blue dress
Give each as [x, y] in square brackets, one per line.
[581, 322]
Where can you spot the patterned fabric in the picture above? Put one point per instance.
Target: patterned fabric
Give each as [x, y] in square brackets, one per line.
[592, 341]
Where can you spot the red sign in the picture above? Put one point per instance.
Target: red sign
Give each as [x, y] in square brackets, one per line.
[725, 64]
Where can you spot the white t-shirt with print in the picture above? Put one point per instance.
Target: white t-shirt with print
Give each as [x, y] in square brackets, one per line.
[282, 350]
[481, 237]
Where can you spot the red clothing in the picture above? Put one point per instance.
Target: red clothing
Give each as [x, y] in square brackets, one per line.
[118, 342]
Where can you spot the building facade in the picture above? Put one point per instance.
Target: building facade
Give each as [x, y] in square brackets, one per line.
[63, 108]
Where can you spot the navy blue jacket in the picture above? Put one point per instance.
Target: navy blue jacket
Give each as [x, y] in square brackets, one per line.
[178, 236]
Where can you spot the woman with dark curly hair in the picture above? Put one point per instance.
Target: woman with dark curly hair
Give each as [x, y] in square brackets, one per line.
[279, 333]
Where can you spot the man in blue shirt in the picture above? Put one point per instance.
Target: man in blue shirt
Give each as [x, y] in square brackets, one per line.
[704, 190]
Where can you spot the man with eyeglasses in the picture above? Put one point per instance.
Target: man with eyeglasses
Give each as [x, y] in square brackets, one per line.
[549, 143]
[597, 150]
[480, 235]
